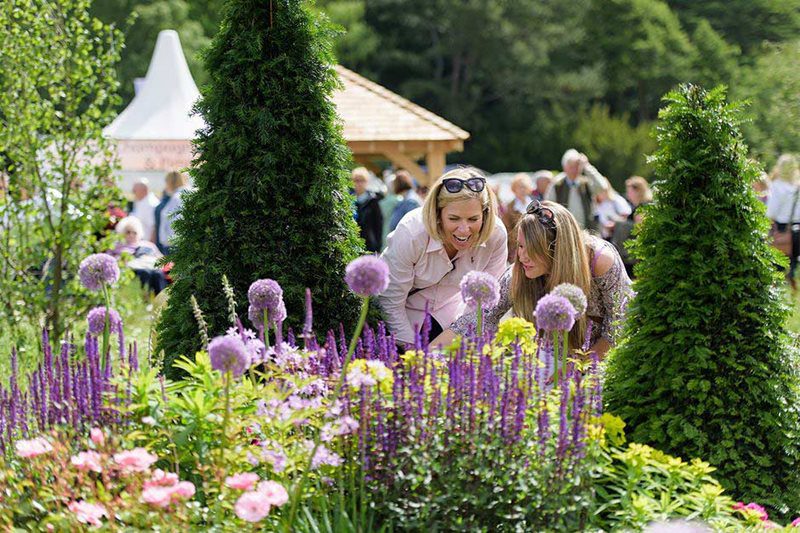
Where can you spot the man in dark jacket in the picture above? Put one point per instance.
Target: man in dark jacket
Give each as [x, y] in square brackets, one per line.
[367, 211]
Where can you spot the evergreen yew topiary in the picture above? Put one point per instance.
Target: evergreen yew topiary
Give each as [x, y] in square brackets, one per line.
[705, 368]
[271, 182]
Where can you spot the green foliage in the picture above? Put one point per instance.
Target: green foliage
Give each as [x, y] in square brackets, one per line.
[271, 177]
[772, 85]
[613, 145]
[57, 92]
[716, 61]
[704, 368]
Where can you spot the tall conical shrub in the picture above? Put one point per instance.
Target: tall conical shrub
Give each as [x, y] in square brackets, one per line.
[270, 177]
[705, 368]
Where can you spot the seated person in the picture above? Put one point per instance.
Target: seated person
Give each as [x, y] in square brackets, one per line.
[139, 255]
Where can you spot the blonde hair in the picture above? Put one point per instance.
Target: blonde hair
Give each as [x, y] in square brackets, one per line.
[640, 185]
[564, 252]
[175, 180]
[360, 171]
[521, 179]
[786, 169]
[439, 197]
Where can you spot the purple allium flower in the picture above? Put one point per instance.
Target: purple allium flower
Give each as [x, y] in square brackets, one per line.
[367, 276]
[256, 315]
[554, 313]
[229, 353]
[265, 294]
[480, 288]
[574, 295]
[97, 320]
[98, 269]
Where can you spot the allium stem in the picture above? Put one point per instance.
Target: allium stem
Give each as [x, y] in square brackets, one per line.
[565, 346]
[337, 393]
[226, 416]
[266, 328]
[106, 327]
[480, 321]
[555, 356]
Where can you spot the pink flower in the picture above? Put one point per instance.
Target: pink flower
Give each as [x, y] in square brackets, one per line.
[795, 522]
[184, 489]
[161, 479]
[157, 496]
[274, 491]
[88, 513]
[738, 506]
[86, 461]
[252, 506]
[136, 460]
[33, 447]
[96, 435]
[760, 511]
[245, 481]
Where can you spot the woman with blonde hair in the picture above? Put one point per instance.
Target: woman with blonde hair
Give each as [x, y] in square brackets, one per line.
[551, 250]
[783, 209]
[456, 230]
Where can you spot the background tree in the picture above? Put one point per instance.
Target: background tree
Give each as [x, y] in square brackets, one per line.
[271, 198]
[57, 92]
[704, 368]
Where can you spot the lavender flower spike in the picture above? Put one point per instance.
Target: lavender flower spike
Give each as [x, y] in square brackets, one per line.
[98, 270]
[574, 295]
[554, 313]
[265, 294]
[480, 289]
[97, 319]
[367, 276]
[229, 353]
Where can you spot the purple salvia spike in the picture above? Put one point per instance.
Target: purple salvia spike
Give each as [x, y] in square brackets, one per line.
[383, 348]
[426, 328]
[342, 344]
[544, 427]
[66, 383]
[309, 322]
[133, 359]
[519, 420]
[290, 339]
[121, 340]
[563, 429]
[577, 416]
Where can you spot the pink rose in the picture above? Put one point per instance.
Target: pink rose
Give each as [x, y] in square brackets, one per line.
[96, 436]
[795, 522]
[252, 506]
[245, 481]
[88, 513]
[86, 461]
[136, 460]
[184, 489]
[157, 496]
[161, 479]
[33, 447]
[274, 491]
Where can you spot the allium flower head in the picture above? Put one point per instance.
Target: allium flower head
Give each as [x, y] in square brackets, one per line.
[554, 313]
[265, 294]
[97, 320]
[367, 276]
[252, 506]
[574, 294]
[229, 353]
[480, 288]
[88, 513]
[33, 447]
[256, 315]
[97, 270]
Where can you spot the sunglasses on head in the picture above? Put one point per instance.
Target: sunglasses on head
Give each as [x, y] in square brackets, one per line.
[454, 185]
[544, 214]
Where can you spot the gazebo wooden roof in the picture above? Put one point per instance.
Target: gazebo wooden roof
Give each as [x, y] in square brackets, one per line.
[380, 122]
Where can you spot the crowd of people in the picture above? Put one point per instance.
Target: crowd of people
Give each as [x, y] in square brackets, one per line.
[779, 190]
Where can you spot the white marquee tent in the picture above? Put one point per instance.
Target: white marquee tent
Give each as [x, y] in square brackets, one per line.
[154, 132]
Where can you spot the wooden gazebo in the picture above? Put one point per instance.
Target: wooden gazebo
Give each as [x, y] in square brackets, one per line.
[378, 122]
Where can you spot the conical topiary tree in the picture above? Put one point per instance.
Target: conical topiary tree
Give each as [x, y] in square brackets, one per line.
[705, 368]
[270, 177]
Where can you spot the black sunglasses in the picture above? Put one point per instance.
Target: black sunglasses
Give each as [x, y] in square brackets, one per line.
[544, 214]
[455, 185]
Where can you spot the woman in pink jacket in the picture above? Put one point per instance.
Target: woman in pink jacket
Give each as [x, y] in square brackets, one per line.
[457, 230]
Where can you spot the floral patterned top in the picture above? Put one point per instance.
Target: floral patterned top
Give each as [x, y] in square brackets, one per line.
[607, 302]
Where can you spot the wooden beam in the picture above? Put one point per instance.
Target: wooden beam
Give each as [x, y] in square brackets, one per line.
[436, 162]
[406, 147]
[403, 160]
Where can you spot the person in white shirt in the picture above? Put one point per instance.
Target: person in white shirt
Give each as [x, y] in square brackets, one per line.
[177, 183]
[611, 208]
[522, 187]
[783, 207]
[144, 205]
[456, 231]
[575, 188]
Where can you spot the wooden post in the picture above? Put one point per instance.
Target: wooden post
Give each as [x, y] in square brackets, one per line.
[435, 160]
